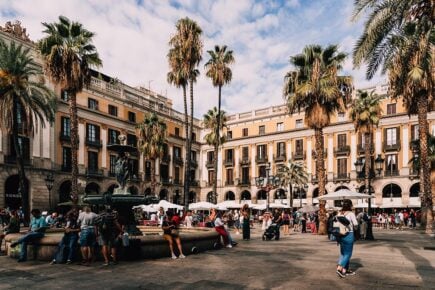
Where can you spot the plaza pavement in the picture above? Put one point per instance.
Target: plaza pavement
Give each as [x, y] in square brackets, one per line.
[396, 260]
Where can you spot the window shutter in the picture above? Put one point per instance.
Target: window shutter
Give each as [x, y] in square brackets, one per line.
[97, 133]
[87, 131]
[385, 135]
[398, 135]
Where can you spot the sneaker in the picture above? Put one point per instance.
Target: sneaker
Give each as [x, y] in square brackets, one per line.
[115, 263]
[106, 264]
[182, 256]
[53, 262]
[174, 257]
[68, 262]
[229, 246]
[350, 273]
[340, 274]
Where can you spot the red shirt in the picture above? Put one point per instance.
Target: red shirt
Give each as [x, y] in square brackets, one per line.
[176, 220]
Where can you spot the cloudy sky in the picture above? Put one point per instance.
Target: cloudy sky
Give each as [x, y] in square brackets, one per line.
[132, 38]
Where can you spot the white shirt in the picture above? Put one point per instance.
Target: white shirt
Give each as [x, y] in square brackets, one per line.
[188, 220]
[401, 216]
[218, 222]
[153, 217]
[352, 219]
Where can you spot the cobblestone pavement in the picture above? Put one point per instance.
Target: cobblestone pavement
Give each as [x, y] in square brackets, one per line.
[397, 259]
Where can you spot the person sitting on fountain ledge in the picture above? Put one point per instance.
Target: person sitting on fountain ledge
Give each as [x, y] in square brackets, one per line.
[171, 233]
[37, 229]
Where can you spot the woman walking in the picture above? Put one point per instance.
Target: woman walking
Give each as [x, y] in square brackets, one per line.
[286, 221]
[246, 223]
[346, 242]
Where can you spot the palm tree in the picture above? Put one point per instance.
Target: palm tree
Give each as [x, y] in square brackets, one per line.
[399, 36]
[69, 55]
[152, 133]
[314, 86]
[184, 56]
[293, 174]
[24, 103]
[215, 121]
[218, 70]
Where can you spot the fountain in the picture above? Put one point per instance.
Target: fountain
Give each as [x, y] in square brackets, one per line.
[121, 199]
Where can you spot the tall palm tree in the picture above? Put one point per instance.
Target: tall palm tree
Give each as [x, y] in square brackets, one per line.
[184, 56]
[25, 103]
[293, 174]
[215, 121]
[399, 36]
[69, 56]
[220, 73]
[152, 134]
[315, 87]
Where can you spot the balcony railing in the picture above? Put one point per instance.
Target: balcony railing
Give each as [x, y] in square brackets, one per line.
[280, 158]
[194, 183]
[229, 182]
[229, 163]
[388, 173]
[93, 143]
[178, 160]
[166, 159]
[177, 182]
[94, 172]
[193, 163]
[166, 181]
[66, 168]
[244, 183]
[392, 147]
[12, 159]
[342, 150]
[299, 155]
[64, 137]
[361, 149]
[261, 159]
[209, 164]
[341, 177]
[315, 180]
[245, 161]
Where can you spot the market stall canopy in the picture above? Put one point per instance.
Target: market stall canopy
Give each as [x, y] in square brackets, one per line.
[229, 204]
[202, 205]
[271, 205]
[344, 194]
[166, 205]
[147, 208]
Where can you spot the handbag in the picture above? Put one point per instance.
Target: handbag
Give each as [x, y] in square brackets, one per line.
[174, 232]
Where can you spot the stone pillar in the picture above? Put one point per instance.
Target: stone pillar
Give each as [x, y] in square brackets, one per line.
[81, 153]
[171, 152]
[253, 164]
[289, 151]
[220, 169]
[141, 163]
[37, 142]
[405, 147]
[46, 138]
[353, 151]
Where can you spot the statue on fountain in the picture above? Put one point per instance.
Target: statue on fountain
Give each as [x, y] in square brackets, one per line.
[121, 171]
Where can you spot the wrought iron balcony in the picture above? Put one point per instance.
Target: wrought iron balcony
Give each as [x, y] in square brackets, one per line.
[194, 183]
[147, 177]
[193, 163]
[93, 143]
[166, 181]
[261, 159]
[178, 160]
[166, 159]
[63, 136]
[209, 164]
[299, 155]
[12, 159]
[391, 147]
[245, 161]
[280, 158]
[94, 172]
[362, 148]
[342, 150]
[341, 177]
[229, 182]
[388, 173]
[177, 182]
[229, 163]
[244, 183]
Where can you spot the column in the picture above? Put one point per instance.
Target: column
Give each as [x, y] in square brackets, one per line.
[405, 146]
[104, 151]
[270, 148]
[353, 151]
[289, 150]
[141, 163]
[220, 169]
[309, 156]
[378, 142]
[81, 155]
[157, 167]
[37, 143]
[330, 153]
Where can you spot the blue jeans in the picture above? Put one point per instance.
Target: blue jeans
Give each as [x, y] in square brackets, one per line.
[346, 248]
[24, 240]
[69, 241]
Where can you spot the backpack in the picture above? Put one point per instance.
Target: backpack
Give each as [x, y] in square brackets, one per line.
[340, 226]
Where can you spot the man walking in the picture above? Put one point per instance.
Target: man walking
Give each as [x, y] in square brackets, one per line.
[36, 231]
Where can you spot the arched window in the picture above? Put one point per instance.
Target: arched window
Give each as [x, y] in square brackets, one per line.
[210, 196]
[230, 195]
[246, 195]
[414, 191]
[163, 195]
[65, 191]
[92, 188]
[391, 190]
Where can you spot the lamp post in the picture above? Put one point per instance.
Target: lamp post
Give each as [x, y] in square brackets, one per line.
[49, 180]
[368, 190]
[267, 183]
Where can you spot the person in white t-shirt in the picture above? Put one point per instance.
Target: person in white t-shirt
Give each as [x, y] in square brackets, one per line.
[347, 241]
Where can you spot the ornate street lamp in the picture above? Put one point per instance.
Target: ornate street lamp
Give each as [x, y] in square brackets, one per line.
[379, 164]
[267, 183]
[49, 181]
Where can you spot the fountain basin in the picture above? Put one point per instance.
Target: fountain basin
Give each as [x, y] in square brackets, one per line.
[150, 245]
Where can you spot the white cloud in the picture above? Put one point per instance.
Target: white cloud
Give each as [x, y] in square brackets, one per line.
[133, 40]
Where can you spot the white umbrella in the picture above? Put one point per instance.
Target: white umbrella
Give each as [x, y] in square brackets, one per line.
[166, 204]
[271, 205]
[308, 208]
[202, 205]
[146, 208]
[344, 194]
[229, 204]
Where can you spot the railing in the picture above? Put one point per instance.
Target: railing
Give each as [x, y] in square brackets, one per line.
[12, 159]
[245, 161]
[361, 149]
[229, 163]
[64, 137]
[194, 183]
[388, 173]
[193, 163]
[209, 164]
[166, 159]
[177, 182]
[93, 143]
[94, 172]
[261, 159]
[392, 147]
[341, 177]
[178, 160]
[166, 181]
[229, 182]
[299, 155]
[244, 183]
[342, 150]
[280, 158]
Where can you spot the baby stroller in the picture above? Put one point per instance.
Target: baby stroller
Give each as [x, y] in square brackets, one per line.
[271, 232]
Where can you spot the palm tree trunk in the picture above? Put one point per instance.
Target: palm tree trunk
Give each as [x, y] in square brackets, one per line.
[22, 188]
[188, 153]
[186, 126]
[290, 190]
[367, 162]
[153, 177]
[320, 172]
[216, 146]
[425, 185]
[74, 146]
